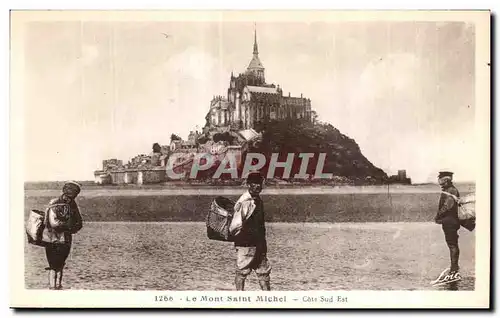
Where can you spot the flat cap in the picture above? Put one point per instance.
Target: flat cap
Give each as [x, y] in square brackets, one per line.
[443, 174]
[72, 185]
[255, 177]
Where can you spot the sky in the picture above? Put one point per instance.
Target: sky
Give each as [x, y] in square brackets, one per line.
[96, 90]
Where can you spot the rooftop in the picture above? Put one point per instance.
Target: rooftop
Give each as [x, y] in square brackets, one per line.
[255, 63]
[260, 89]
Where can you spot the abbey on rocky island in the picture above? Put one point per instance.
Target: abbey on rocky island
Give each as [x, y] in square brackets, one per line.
[250, 100]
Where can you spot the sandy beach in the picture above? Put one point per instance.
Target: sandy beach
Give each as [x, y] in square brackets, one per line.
[305, 256]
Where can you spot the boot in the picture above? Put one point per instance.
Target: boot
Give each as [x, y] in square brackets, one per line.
[265, 285]
[240, 283]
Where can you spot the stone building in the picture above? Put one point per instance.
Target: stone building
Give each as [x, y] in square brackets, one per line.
[250, 100]
[110, 164]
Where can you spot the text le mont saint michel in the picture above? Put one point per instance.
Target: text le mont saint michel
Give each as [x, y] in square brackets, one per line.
[267, 299]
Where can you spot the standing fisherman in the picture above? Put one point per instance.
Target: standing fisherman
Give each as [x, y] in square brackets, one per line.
[249, 233]
[62, 219]
[447, 216]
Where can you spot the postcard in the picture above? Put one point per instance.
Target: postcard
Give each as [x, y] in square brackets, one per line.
[250, 159]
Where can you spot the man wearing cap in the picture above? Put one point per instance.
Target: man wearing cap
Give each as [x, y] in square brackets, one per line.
[62, 219]
[447, 216]
[249, 234]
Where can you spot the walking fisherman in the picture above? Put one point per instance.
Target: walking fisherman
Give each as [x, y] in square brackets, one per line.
[447, 216]
[62, 220]
[249, 232]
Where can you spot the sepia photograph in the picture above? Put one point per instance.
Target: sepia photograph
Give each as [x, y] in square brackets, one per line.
[248, 159]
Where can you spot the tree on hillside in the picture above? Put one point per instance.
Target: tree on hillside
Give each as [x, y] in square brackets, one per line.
[226, 136]
[343, 156]
[174, 137]
[156, 148]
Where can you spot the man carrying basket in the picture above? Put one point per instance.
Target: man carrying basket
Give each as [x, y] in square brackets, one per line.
[249, 234]
[62, 220]
[447, 216]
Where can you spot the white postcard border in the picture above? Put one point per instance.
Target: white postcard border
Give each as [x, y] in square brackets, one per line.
[479, 298]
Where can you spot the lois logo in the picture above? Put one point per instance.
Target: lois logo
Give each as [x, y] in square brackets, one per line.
[446, 278]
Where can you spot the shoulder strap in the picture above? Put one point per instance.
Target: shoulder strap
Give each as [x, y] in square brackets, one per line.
[452, 195]
[53, 205]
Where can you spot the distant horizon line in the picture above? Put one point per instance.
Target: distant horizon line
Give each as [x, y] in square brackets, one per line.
[176, 181]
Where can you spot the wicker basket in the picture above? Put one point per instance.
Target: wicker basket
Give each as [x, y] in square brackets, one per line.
[219, 218]
[467, 211]
[34, 228]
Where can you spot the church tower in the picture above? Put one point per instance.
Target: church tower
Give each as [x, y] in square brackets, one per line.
[255, 67]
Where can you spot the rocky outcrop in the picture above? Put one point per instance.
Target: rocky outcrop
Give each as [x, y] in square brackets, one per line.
[344, 159]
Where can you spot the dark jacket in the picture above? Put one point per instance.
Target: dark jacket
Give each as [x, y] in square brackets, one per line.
[448, 207]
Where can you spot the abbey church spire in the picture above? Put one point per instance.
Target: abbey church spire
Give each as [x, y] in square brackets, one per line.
[255, 48]
[255, 67]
